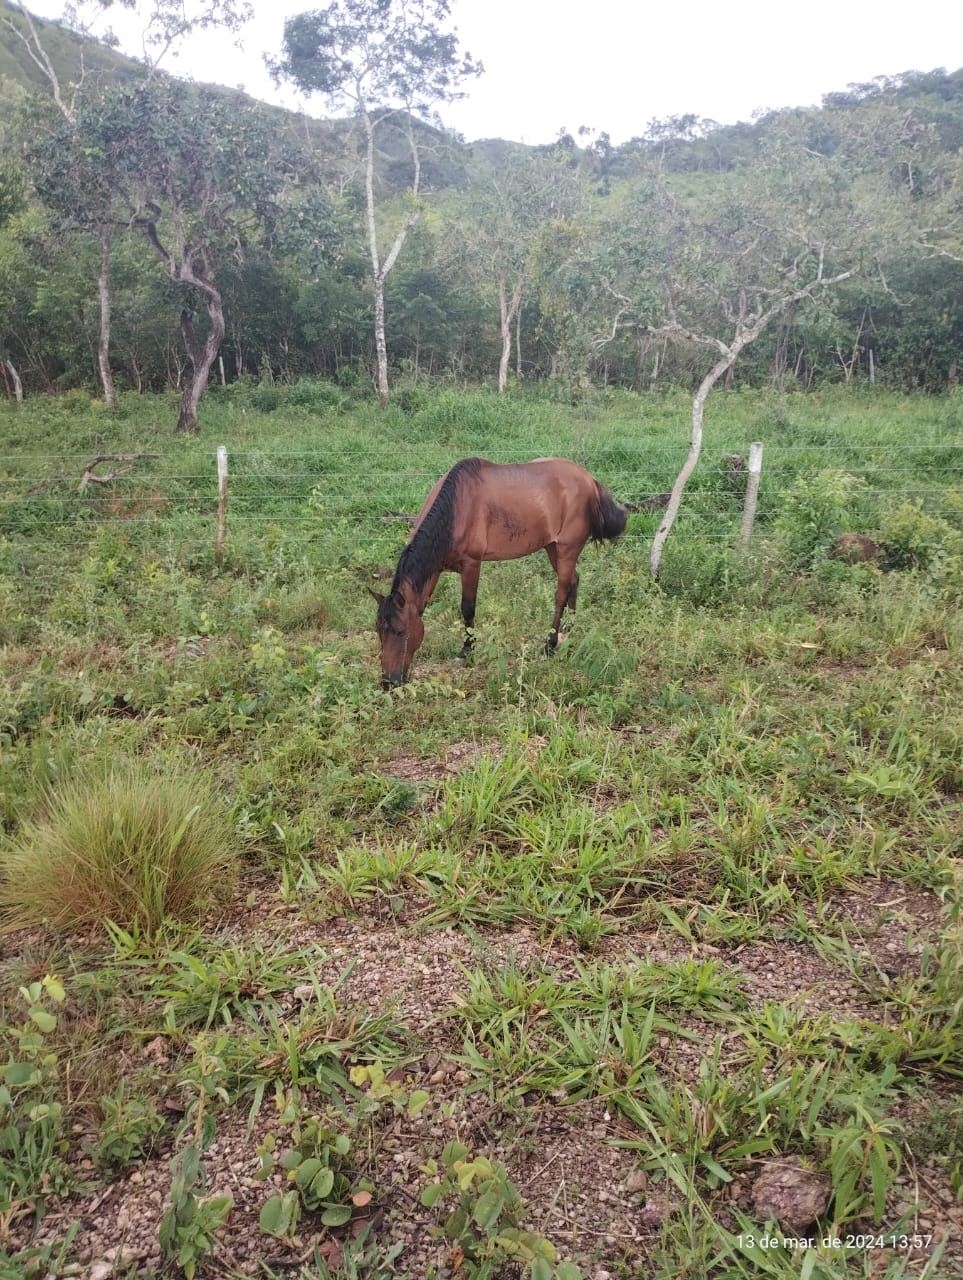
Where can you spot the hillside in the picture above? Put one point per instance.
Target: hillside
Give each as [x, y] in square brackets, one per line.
[74, 56]
[684, 143]
[69, 53]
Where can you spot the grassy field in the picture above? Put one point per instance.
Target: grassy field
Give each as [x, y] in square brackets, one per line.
[645, 960]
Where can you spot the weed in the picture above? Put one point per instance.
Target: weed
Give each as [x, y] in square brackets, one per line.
[484, 1223]
[188, 1226]
[136, 846]
[127, 1131]
[32, 1132]
[324, 1181]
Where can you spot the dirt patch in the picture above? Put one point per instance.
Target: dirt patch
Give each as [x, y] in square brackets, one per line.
[458, 756]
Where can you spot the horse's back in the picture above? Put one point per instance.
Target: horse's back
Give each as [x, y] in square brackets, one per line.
[511, 509]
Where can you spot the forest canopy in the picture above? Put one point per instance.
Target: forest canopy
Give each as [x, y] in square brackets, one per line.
[223, 238]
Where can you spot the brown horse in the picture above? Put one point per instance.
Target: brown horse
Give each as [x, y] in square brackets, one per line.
[488, 511]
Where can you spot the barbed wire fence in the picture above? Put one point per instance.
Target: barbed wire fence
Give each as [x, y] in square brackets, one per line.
[731, 495]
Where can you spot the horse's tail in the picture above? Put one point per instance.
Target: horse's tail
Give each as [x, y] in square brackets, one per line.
[606, 517]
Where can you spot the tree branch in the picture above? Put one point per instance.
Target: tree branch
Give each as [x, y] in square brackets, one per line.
[89, 476]
[38, 56]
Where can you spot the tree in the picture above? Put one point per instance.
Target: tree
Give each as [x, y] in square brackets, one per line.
[81, 197]
[511, 205]
[385, 59]
[199, 175]
[719, 266]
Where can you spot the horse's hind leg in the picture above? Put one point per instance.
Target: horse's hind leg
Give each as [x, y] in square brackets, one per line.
[469, 592]
[563, 561]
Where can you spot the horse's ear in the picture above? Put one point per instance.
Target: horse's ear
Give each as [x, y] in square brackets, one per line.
[377, 595]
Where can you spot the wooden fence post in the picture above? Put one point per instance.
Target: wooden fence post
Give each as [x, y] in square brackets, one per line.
[752, 493]
[221, 503]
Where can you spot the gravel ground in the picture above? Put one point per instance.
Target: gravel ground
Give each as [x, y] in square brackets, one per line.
[582, 1191]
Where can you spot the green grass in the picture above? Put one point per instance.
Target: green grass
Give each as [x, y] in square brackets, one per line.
[756, 762]
[135, 846]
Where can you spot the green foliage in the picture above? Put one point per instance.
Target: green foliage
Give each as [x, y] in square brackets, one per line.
[379, 1087]
[266, 398]
[484, 1222]
[187, 1229]
[127, 1131]
[815, 510]
[319, 1166]
[372, 49]
[37, 1261]
[190, 1221]
[132, 845]
[914, 539]
[32, 1131]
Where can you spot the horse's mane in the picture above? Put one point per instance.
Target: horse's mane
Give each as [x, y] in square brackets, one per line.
[425, 553]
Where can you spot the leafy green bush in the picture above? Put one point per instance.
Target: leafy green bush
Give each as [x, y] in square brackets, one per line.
[314, 394]
[32, 1140]
[135, 846]
[914, 540]
[266, 398]
[815, 510]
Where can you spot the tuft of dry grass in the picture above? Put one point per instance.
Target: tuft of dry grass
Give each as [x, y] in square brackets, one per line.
[134, 845]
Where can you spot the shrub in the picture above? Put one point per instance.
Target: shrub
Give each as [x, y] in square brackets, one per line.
[266, 398]
[914, 540]
[815, 510]
[315, 395]
[136, 846]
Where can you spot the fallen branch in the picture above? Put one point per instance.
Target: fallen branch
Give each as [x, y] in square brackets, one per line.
[90, 476]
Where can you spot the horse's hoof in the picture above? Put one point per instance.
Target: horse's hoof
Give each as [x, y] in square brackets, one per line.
[551, 644]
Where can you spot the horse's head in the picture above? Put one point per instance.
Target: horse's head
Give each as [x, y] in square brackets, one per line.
[400, 633]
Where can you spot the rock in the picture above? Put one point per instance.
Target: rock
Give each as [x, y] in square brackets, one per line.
[654, 1213]
[792, 1194]
[854, 548]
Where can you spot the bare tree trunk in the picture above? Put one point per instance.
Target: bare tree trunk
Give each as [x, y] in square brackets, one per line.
[657, 364]
[746, 332]
[518, 344]
[14, 378]
[202, 357]
[381, 345]
[103, 341]
[695, 449]
[192, 266]
[379, 269]
[507, 310]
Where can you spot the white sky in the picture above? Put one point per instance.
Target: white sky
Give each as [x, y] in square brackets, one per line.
[616, 64]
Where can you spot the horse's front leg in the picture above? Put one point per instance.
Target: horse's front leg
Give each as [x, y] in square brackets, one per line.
[469, 592]
[563, 561]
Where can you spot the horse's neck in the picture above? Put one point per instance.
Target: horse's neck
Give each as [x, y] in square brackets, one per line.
[421, 595]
